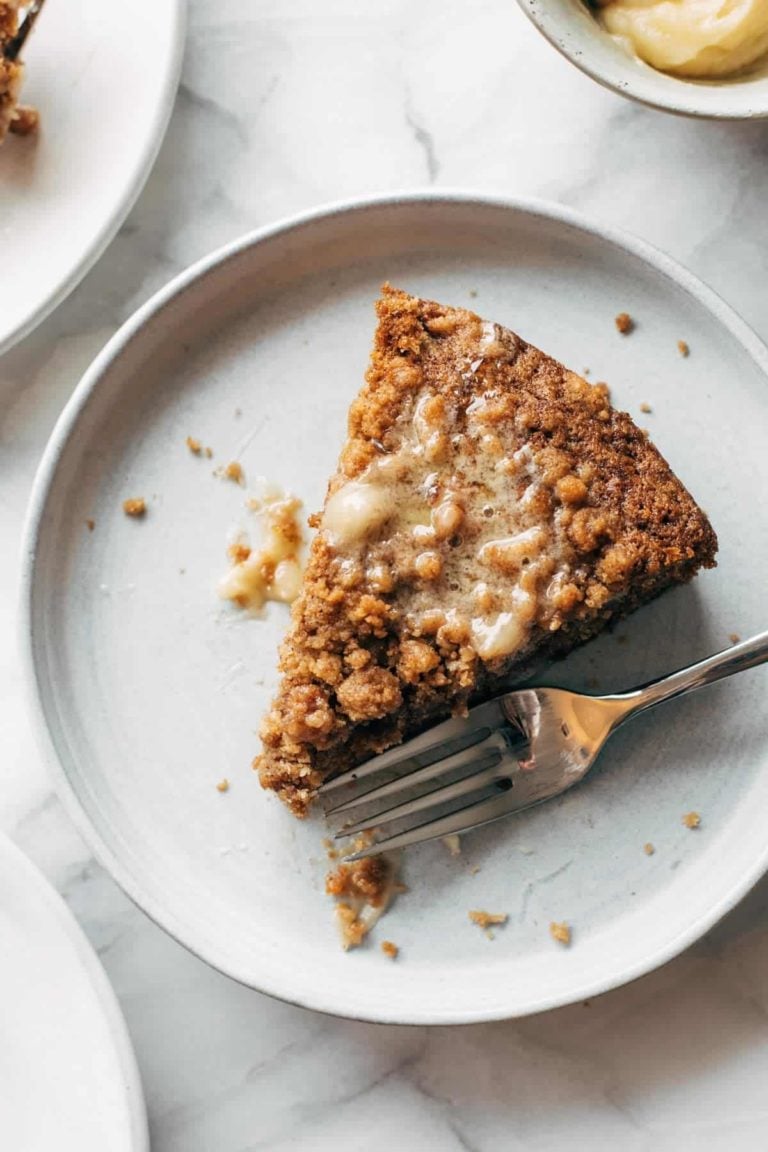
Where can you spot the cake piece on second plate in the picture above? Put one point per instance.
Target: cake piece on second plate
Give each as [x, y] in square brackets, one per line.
[490, 509]
[14, 117]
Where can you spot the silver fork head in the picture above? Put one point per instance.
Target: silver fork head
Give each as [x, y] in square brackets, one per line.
[506, 755]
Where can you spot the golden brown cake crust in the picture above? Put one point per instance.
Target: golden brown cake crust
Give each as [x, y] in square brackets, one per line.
[361, 672]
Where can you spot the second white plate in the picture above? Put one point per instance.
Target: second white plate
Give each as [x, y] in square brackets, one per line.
[68, 1076]
[148, 691]
[103, 78]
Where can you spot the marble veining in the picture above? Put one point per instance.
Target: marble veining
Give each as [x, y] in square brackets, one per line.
[282, 107]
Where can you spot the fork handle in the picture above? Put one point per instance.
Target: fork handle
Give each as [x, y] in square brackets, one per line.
[747, 654]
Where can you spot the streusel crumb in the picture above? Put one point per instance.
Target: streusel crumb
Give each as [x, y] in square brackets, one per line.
[488, 920]
[561, 932]
[234, 472]
[363, 890]
[136, 506]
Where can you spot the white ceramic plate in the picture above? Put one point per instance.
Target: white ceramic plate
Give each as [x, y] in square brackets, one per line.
[68, 1076]
[103, 77]
[148, 691]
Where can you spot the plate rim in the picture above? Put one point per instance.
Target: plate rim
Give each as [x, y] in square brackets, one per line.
[164, 916]
[145, 163]
[62, 915]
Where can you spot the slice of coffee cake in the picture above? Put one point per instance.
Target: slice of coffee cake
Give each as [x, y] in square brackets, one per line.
[490, 508]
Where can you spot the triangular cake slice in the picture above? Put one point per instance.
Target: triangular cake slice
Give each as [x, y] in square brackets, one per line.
[490, 508]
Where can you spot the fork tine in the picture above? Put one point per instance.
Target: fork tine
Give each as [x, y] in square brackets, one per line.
[485, 772]
[408, 780]
[471, 816]
[463, 730]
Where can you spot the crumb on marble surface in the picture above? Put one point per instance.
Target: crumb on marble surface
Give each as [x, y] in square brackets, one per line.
[135, 506]
[692, 820]
[624, 323]
[560, 931]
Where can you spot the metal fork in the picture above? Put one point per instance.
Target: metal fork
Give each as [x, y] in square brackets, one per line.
[506, 755]
[13, 47]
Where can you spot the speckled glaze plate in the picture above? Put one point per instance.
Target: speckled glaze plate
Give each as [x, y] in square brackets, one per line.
[68, 1076]
[147, 690]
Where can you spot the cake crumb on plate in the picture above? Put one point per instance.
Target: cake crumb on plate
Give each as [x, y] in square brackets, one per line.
[692, 820]
[560, 931]
[233, 471]
[624, 323]
[197, 448]
[734, 638]
[363, 890]
[683, 348]
[390, 949]
[645, 407]
[90, 525]
[223, 785]
[648, 849]
[487, 920]
[452, 843]
[136, 507]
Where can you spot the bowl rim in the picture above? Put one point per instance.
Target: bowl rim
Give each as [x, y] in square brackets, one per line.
[651, 90]
[159, 911]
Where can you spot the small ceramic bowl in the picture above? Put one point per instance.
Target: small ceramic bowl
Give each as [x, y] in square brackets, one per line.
[575, 32]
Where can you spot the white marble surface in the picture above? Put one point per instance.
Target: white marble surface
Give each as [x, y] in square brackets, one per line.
[283, 107]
